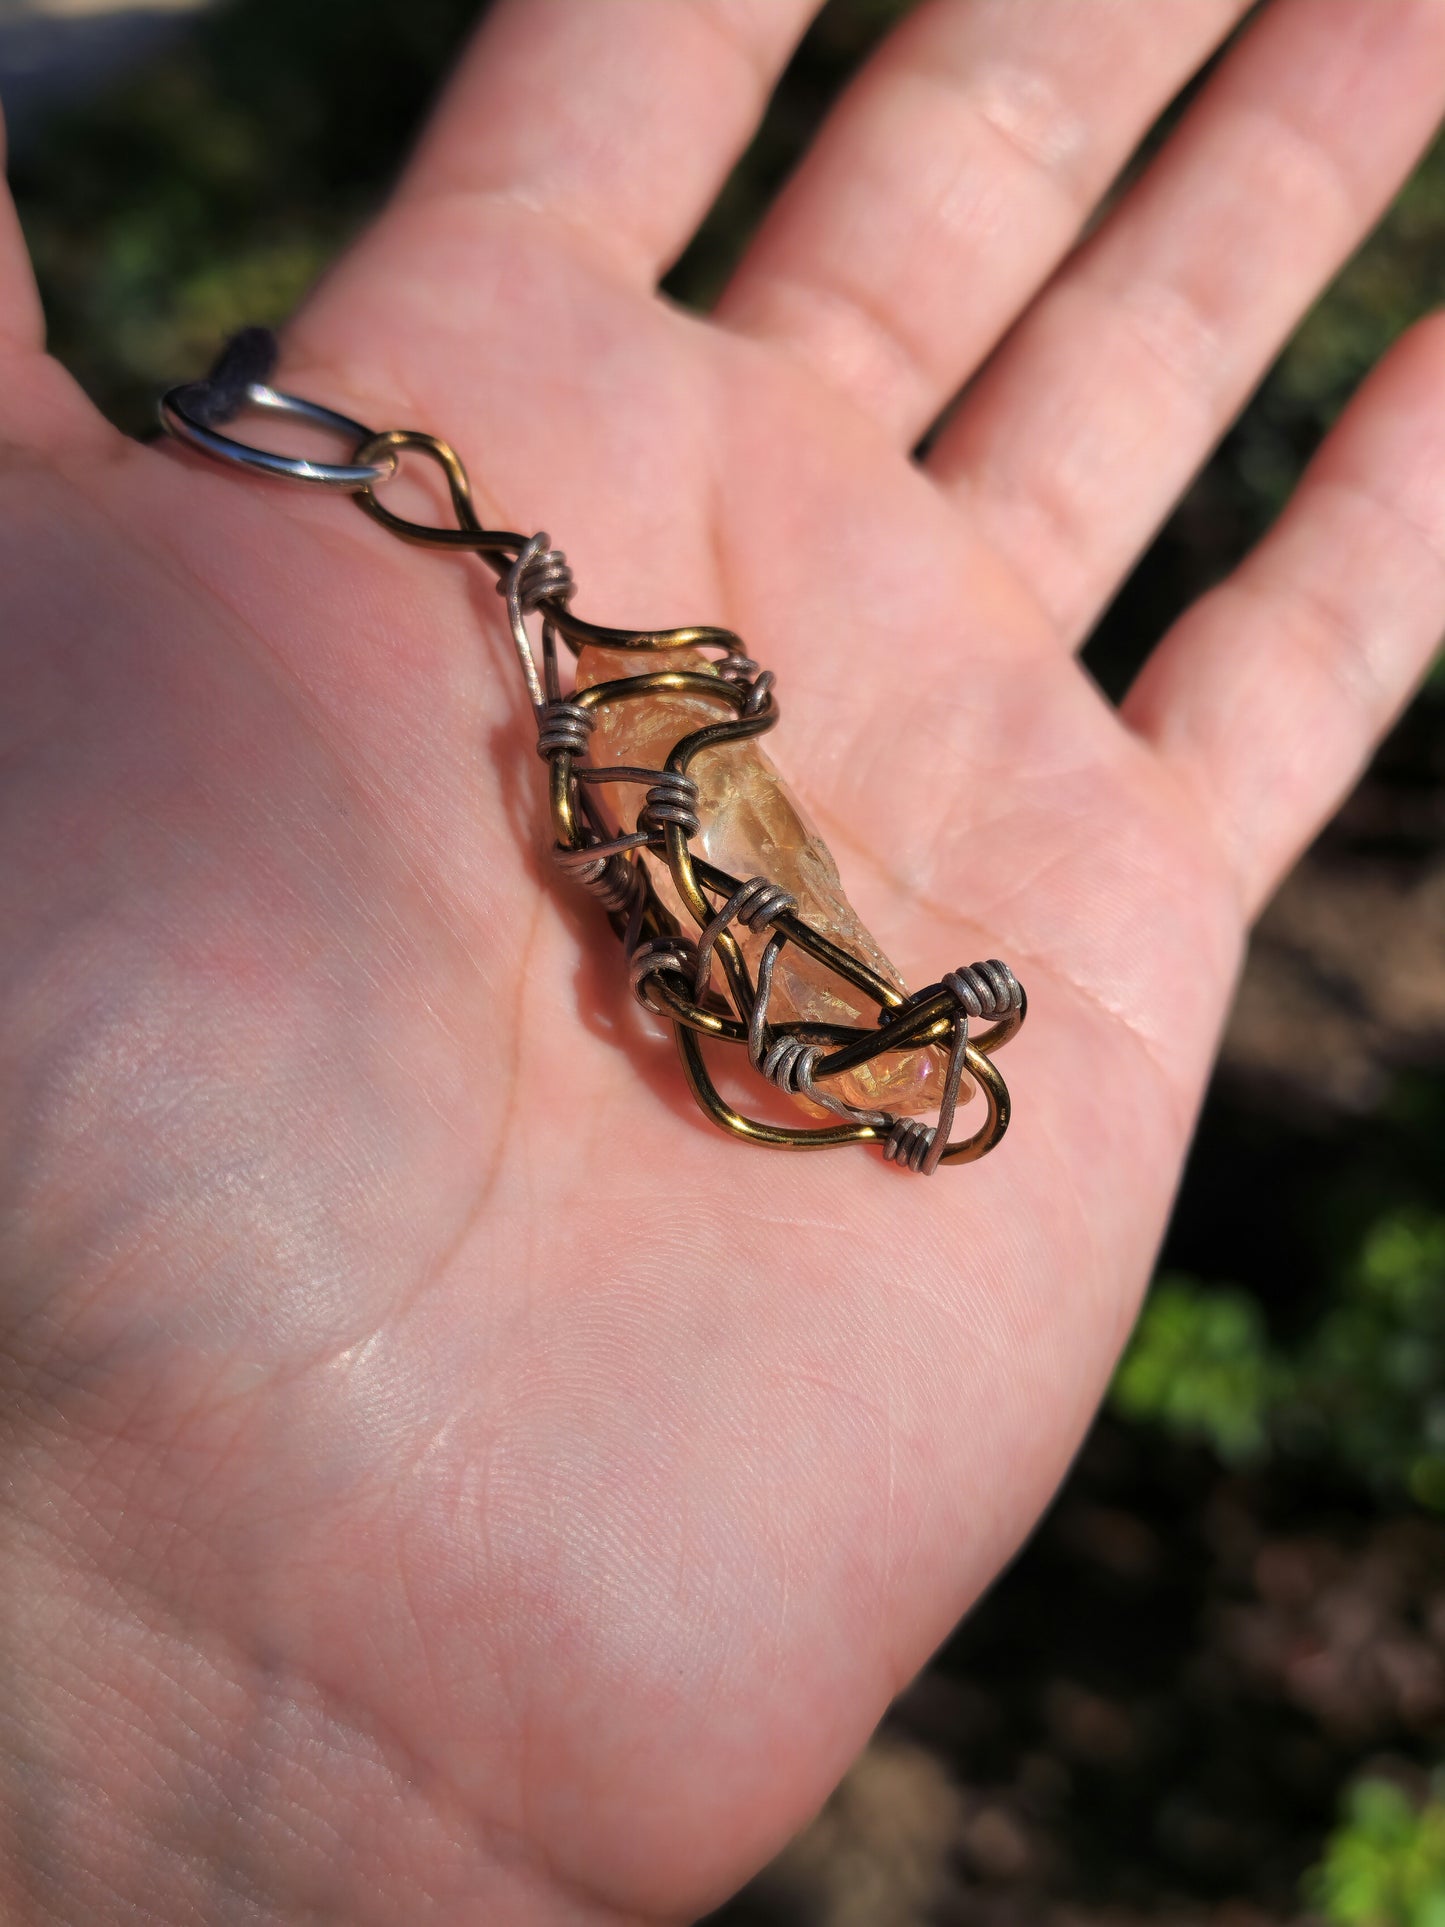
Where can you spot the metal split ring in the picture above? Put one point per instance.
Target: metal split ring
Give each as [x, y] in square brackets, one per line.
[179, 414]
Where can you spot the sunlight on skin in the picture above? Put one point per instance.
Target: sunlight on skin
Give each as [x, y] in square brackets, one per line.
[445, 1480]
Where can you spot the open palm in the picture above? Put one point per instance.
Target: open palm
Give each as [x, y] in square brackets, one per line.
[445, 1479]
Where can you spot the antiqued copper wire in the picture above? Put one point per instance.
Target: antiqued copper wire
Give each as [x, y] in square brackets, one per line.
[700, 981]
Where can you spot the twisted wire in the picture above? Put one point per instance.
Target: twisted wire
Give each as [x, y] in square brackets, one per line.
[563, 726]
[611, 877]
[754, 904]
[671, 799]
[982, 990]
[790, 1061]
[539, 574]
[985, 989]
[671, 954]
[909, 1142]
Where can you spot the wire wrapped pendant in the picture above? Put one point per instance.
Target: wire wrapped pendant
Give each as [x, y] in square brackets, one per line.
[664, 804]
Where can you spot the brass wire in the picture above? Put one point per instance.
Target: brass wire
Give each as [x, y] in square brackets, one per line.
[672, 978]
[926, 1020]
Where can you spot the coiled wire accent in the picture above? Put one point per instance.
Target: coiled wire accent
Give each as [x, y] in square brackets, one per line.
[909, 1142]
[738, 668]
[671, 799]
[538, 575]
[758, 692]
[753, 904]
[985, 989]
[671, 954]
[789, 1061]
[563, 726]
[611, 877]
[980, 990]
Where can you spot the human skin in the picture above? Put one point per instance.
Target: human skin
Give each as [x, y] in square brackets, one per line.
[445, 1480]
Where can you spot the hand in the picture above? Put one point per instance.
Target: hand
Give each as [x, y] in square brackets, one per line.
[445, 1480]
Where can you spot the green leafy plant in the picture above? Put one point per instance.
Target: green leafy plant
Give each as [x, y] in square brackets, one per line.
[1366, 1385]
[1374, 1371]
[1200, 1366]
[1384, 1865]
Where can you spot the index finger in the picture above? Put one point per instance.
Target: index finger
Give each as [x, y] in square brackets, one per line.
[620, 121]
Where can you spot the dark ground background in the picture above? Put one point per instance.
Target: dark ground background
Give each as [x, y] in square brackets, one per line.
[1213, 1687]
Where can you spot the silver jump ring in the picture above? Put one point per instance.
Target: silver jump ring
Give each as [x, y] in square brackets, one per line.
[178, 419]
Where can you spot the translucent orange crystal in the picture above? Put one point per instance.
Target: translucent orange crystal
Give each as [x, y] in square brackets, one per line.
[752, 825]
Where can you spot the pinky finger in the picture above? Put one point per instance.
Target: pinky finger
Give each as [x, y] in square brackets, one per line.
[1267, 697]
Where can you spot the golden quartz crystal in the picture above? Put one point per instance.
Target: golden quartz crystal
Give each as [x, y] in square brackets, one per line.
[751, 825]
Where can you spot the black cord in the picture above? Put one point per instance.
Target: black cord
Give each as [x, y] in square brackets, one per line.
[249, 356]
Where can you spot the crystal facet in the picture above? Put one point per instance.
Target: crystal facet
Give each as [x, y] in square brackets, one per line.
[751, 825]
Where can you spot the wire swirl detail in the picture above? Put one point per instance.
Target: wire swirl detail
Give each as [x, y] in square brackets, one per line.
[648, 877]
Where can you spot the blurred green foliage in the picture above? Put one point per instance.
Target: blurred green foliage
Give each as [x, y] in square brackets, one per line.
[1371, 1381]
[1384, 1865]
[1366, 1385]
[212, 188]
[1200, 1365]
